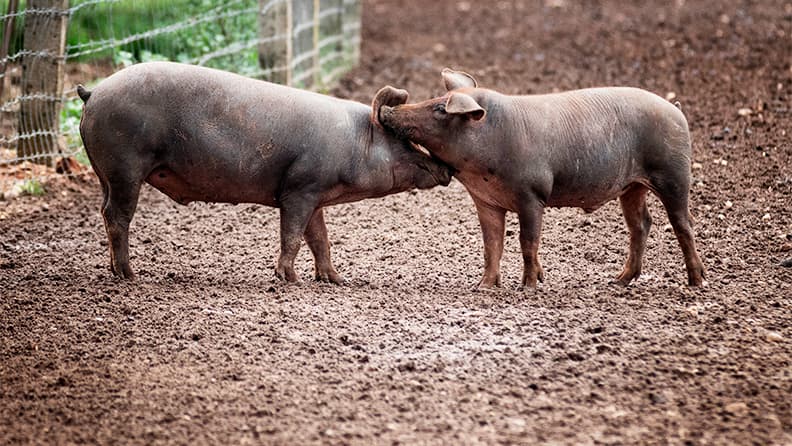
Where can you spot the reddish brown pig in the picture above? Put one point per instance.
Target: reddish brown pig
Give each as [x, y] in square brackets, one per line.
[579, 148]
[199, 134]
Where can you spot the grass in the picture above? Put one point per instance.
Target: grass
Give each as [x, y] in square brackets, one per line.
[33, 187]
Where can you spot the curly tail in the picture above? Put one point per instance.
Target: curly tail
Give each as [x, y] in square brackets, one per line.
[83, 93]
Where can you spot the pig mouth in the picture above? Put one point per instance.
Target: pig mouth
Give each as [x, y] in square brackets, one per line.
[419, 148]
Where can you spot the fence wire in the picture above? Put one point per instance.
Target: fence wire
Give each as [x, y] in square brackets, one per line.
[312, 44]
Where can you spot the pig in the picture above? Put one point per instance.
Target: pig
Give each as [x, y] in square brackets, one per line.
[199, 134]
[579, 148]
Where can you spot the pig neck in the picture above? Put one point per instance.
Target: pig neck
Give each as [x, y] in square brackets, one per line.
[376, 161]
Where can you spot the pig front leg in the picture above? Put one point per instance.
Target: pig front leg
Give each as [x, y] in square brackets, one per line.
[316, 238]
[530, 215]
[492, 221]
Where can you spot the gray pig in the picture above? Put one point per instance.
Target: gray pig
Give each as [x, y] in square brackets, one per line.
[199, 134]
[575, 149]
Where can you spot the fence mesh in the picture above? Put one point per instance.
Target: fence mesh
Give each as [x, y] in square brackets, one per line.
[50, 46]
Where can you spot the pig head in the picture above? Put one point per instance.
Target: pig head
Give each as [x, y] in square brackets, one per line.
[574, 149]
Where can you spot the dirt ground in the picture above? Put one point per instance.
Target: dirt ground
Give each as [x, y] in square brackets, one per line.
[206, 347]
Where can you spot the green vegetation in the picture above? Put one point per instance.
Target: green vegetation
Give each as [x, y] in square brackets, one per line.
[180, 30]
[33, 187]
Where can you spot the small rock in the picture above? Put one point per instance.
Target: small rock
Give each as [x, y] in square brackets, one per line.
[737, 409]
[463, 6]
[774, 336]
[667, 227]
[670, 96]
[516, 424]
[728, 204]
[745, 111]
[555, 3]
[721, 217]
[697, 166]
[438, 47]
[766, 217]
[787, 263]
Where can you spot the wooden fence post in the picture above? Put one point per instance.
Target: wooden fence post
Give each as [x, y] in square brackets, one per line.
[303, 44]
[352, 9]
[317, 68]
[42, 79]
[275, 29]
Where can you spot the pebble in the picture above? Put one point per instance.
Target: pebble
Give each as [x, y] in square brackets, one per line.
[774, 336]
[738, 408]
[744, 111]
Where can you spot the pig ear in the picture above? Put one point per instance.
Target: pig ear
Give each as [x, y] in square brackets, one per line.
[457, 79]
[387, 96]
[462, 104]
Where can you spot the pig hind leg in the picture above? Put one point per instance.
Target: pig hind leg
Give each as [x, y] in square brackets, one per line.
[295, 214]
[316, 238]
[673, 193]
[639, 221]
[530, 216]
[118, 207]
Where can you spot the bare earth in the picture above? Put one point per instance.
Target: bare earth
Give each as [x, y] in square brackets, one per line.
[206, 347]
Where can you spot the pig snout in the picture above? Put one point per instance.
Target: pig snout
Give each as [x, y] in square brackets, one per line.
[389, 119]
[386, 97]
[384, 115]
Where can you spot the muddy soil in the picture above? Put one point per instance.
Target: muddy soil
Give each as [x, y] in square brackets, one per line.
[206, 347]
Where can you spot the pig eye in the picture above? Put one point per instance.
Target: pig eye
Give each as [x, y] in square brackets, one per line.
[440, 111]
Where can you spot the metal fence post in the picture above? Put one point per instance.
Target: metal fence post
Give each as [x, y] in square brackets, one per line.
[42, 79]
[275, 30]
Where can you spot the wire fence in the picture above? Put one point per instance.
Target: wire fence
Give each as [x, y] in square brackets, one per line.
[50, 46]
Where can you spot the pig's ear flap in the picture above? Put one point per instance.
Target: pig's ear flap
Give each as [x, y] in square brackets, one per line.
[462, 104]
[387, 96]
[457, 79]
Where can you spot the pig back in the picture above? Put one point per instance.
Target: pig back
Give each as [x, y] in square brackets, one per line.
[592, 143]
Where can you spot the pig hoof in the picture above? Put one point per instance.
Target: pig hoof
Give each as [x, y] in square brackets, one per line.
[529, 290]
[124, 272]
[330, 277]
[488, 283]
[621, 281]
[286, 274]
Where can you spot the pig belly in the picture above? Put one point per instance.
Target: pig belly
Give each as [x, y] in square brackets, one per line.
[185, 187]
[587, 199]
[588, 176]
[590, 193]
